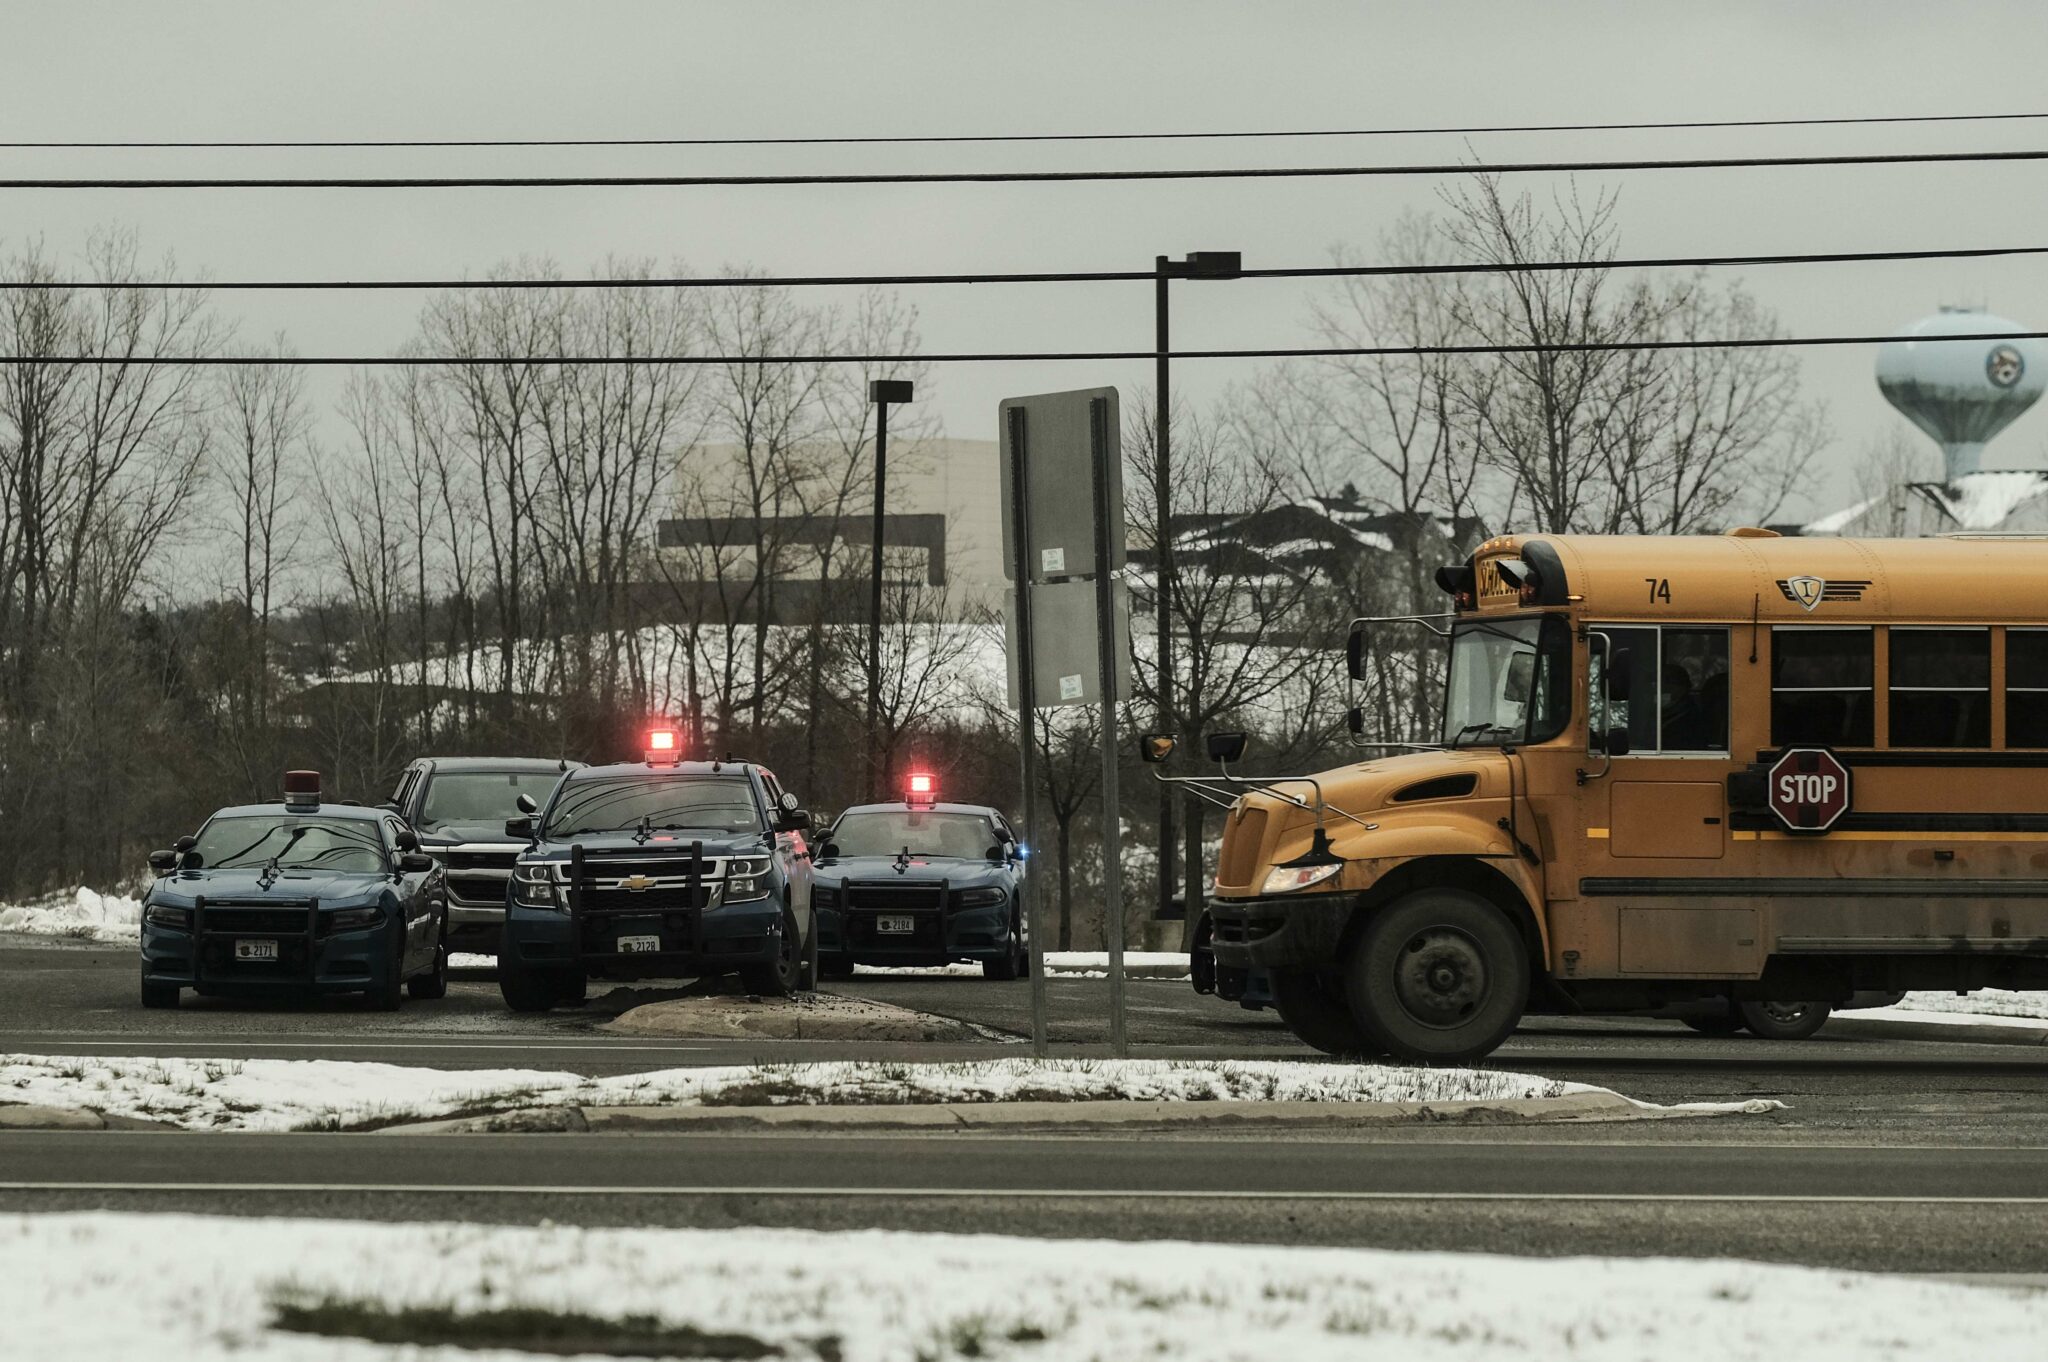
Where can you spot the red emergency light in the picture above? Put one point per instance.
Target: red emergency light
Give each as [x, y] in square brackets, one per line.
[302, 789]
[923, 789]
[664, 746]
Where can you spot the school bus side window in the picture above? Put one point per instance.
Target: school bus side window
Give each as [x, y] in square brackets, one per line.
[1940, 687]
[2026, 688]
[1823, 686]
[1677, 688]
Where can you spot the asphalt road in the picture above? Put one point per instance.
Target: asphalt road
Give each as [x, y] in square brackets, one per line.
[1900, 1155]
[1533, 1191]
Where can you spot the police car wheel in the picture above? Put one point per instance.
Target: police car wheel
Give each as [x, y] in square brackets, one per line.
[779, 978]
[434, 983]
[525, 989]
[573, 987]
[1016, 963]
[838, 965]
[1439, 976]
[159, 995]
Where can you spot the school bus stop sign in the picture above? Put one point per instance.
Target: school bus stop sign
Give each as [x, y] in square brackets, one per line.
[1808, 789]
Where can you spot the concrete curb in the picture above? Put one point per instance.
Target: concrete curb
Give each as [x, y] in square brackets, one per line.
[1961, 1033]
[1014, 1116]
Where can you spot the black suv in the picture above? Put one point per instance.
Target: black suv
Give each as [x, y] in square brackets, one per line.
[459, 806]
[664, 869]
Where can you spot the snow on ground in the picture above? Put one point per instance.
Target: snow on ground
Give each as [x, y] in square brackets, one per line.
[82, 913]
[103, 1284]
[1996, 1002]
[286, 1094]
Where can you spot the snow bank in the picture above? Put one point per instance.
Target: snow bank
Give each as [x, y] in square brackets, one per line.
[1985, 1002]
[112, 1285]
[287, 1094]
[84, 913]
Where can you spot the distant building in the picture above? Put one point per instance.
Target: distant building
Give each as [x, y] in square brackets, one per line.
[942, 526]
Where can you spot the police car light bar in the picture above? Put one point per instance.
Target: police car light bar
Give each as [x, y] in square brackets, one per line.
[302, 789]
[663, 746]
[924, 789]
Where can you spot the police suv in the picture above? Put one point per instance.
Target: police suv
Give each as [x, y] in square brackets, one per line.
[300, 898]
[459, 806]
[660, 868]
[921, 883]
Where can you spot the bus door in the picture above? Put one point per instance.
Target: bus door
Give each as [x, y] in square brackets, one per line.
[1657, 821]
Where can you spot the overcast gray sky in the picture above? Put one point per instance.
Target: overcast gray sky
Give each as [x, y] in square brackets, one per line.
[502, 68]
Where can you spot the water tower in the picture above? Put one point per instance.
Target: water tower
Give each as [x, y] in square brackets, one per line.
[1961, 392]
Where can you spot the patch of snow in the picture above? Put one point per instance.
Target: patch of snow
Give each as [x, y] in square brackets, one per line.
[1910, 1014]
[1994, 1002]
[286, 1094]
[1077, 960]
[1837, 521]
[469, 960]
[84, 913]
[103, 1284]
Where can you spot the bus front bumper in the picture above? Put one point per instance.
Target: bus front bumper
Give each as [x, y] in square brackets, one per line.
[1290, 931]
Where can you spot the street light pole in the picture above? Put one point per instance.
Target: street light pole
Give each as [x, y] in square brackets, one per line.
[1198, 265]
[881, 392]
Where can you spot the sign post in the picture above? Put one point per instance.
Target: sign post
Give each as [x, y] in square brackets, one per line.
[1808, 789]
[1064, 555]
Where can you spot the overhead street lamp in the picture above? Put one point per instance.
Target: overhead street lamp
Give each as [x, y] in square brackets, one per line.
[1198, 265]
[881, 392]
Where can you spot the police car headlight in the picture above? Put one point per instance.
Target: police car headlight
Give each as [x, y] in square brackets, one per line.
[355, 919]
[1285, 879]
[162, 915]
[534, 887]
[746, 877]
[979, 898]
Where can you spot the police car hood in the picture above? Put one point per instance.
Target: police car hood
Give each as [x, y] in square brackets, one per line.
[290, 886]
[447, 834]
[959, 873]
[675, 843]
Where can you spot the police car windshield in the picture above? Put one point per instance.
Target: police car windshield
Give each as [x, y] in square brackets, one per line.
[481, 796]
[886, 832]
[294, 841]
[695, 803]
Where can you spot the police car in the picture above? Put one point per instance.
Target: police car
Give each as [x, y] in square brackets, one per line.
[658, 868]
[302, 897]
[921, 883]
[459, 806]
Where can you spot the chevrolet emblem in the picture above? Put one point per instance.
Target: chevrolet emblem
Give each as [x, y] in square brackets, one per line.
[636, 883]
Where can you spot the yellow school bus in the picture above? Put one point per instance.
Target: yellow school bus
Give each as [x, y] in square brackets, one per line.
[1736, 767]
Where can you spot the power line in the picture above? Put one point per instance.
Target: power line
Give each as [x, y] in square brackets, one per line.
[1024, 277]
[997, 138]
[1013, 357]
[1007, 176]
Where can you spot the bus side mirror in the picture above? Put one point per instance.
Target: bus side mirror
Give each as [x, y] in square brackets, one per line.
[1354, 719]
[1226, 747]
[1615, 742]
[1354, 652]
[1614, 680]
[1155, 748]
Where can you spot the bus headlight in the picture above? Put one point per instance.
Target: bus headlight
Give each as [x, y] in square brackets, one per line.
[1285, 879]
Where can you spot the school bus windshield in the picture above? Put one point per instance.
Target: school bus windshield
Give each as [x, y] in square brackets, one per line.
[1510, 682]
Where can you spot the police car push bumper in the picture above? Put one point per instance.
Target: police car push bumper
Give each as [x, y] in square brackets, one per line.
[710, 911]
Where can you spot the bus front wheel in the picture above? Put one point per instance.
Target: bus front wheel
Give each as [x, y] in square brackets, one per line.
[1439, 976]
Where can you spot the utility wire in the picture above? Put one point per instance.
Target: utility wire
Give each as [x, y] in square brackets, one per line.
[1028, 277]
[1012, 357]
[1006, 176]
[993, 138]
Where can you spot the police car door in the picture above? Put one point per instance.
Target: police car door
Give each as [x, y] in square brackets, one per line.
[790, 851]
[415, 900]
